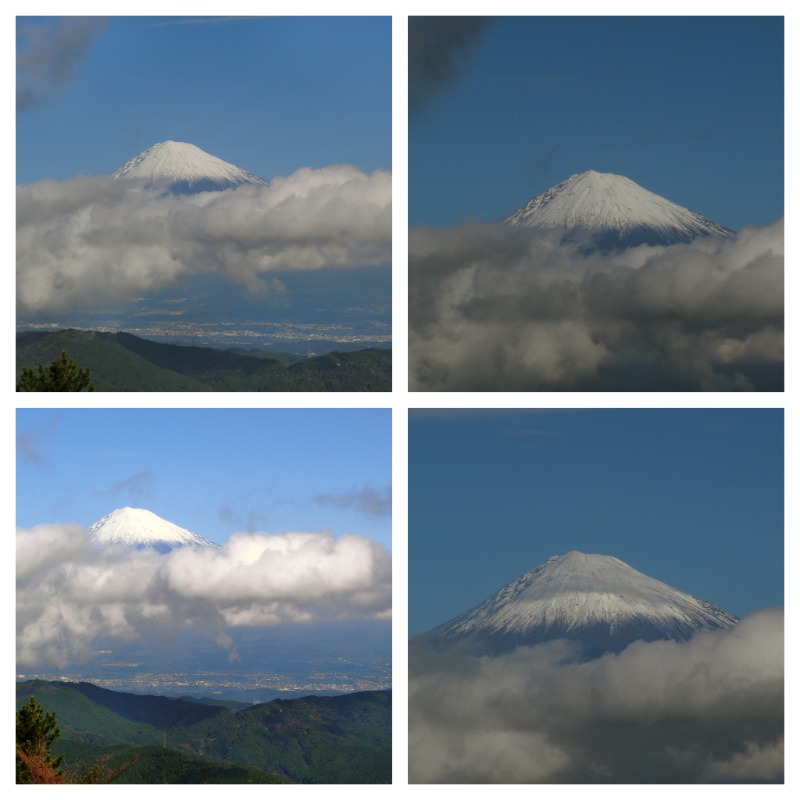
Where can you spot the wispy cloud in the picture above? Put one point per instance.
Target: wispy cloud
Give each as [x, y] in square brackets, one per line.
[29, 447]
[30, 443]
[247, 518]
[481, 414]
[137, 487]
[505, 422]
[543, 165]
[439, 51]
[179, 21]
[366, 499]
[251, 510]
[49, 56]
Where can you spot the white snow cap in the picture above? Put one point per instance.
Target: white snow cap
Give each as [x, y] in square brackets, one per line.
[598, 202]
[139, 527]
[186, 166]
[576, 594]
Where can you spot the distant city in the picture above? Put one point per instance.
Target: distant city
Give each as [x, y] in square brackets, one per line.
[340, 313]
[257, 668]
[247, 687]
[302, 338]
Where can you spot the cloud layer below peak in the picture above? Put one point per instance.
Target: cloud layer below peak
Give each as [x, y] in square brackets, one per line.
[87, 242]
[497, 308]
[71, 594]
[706, 710]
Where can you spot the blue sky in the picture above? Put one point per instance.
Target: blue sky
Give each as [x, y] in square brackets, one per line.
[690, 108]
[692, 497]
[213, 471]
[270, 94]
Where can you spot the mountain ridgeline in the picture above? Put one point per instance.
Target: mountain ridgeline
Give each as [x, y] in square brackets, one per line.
[183, 168]
[121, 362]
[140, 528]
[596, 601]
[339, 739]
[610, 212]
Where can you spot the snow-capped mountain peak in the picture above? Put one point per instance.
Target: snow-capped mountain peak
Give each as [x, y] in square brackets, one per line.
[184, 168]
[597, 600]
[612, 211]
[138, 527]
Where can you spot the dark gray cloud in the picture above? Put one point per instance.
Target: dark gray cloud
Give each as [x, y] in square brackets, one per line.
[439, 50]
[86, 242]
[49, 56]
[707, 710]
[366, 499]
[497, 308]
[71, 594]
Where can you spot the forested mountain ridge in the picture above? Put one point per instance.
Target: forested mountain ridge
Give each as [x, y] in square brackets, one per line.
[121, 362]
[338, 739]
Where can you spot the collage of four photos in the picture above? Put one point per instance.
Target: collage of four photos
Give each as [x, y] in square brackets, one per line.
[473, 476]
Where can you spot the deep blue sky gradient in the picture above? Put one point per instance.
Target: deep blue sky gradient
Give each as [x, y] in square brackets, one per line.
[690, 108]
[213, 471]
[269, 94]
[692, 497]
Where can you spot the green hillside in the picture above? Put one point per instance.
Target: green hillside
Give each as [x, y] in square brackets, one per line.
[120, 362]
[337, 739]
[158, 765]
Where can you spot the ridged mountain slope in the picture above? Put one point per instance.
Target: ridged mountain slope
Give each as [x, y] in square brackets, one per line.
[184, 168]
[596, 600]
[139, 527]
[612, 212]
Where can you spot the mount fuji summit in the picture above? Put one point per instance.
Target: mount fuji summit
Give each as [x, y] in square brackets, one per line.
[140, 528]
[183, 168]
[596, 600]
[611, 212]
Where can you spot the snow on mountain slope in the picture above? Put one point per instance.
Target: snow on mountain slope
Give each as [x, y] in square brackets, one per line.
[139, 527]
[596, 600]
[184, 168]
[612, 212]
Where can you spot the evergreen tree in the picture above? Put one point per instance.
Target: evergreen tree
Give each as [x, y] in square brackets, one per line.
[36, 732]
[62, 375]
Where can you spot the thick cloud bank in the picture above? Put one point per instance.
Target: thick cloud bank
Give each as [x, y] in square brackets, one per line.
[497, 308]
[70, 594]
[706, 710]
[85, 242]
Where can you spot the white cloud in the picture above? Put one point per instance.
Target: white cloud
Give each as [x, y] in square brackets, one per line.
[70, 594]
[710, 709]
[497, 308]
[85, 242]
